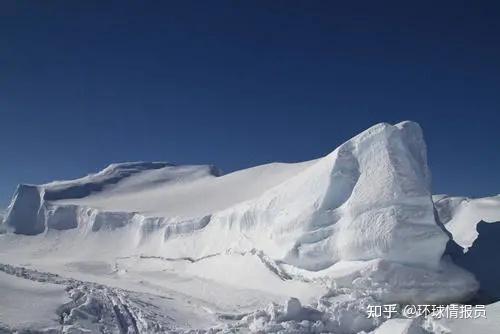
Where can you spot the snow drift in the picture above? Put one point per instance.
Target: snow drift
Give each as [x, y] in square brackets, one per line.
[369, 200]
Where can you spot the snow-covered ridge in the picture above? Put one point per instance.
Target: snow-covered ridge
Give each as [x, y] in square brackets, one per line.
[310, 214]
[34, 209]
[368, 200]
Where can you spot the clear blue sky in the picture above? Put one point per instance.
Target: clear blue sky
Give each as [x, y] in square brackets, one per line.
[241, 83]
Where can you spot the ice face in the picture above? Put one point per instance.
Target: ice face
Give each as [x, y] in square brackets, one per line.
[23, 214]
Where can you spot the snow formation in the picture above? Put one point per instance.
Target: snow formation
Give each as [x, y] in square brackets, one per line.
[366, 200]
[369, 199]
[359, 222]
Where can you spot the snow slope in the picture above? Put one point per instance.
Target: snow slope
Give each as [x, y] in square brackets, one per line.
[310, 215]
[26, 304]
[368, 199]
[358, 221]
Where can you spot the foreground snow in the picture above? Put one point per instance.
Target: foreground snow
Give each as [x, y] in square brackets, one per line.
[306, 247]
[47, 303]
[26, 303]
[52, 303]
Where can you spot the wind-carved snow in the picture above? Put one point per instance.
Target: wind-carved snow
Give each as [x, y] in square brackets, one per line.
[363, 201]
[360, 220]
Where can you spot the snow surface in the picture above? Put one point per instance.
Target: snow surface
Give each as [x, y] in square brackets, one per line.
[363, 201]
[400, 326]
[26, 304]
[301, 247]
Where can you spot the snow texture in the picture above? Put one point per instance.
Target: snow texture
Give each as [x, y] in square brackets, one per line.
[400, 326]
[304, 247]
[365, 200]
[20, 298]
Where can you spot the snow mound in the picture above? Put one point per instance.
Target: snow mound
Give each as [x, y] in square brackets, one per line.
[392, 282]
[367, 200]
[340, 314]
